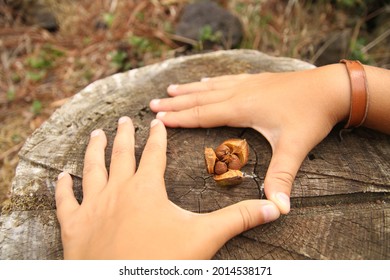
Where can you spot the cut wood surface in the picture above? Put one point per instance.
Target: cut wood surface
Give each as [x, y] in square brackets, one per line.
[340, 198]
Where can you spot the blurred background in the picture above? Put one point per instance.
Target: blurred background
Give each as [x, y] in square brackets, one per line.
[51, 49]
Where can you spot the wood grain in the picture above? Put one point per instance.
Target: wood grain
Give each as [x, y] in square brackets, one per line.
[340, 198]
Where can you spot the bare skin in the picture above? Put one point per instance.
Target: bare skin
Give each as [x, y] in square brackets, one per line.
[294, 111]
[127, 214]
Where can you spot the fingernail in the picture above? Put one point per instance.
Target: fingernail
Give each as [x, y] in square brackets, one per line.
[172, 88]
[154, 122]
[283, 200]
[123, 119]
[154, 102]
[205, 79]
[62, 174]
[160, 115]
[270, 212]
[95, 133]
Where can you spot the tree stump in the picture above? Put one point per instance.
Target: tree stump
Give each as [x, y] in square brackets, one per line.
[340, 198]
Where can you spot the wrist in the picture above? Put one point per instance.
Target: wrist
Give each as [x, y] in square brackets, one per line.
[378, 83]
[358, 93]
[335, 88]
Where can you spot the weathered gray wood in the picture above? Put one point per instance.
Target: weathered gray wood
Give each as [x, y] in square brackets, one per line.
[340, 199]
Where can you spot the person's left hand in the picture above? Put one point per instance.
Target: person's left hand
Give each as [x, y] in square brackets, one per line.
[126, 214]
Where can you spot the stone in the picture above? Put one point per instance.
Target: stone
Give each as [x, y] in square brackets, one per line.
[35, 13]
[211, 25]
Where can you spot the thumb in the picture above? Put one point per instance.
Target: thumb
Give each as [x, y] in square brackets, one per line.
[284, 165]
[230, 221]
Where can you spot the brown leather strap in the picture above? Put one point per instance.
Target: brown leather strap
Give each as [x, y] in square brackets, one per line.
[359, 93]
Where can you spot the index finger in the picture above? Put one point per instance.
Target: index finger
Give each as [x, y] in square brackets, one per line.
[206, 84]
[205, 116]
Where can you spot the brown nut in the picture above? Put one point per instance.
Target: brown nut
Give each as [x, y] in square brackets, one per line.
[210, 159]
[230, 178]
[240, 148]
[222, 152]
[234, 162]
[220, 168]
[226, 161]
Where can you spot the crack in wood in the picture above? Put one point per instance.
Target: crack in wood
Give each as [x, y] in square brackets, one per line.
[324, 176]
[353, 184]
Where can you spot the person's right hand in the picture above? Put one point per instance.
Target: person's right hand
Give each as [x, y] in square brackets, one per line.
[294, 111]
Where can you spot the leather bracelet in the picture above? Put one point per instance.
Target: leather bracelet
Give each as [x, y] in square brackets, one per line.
[359, 93]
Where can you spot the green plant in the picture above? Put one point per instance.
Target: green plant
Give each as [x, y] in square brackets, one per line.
[16, 138]
[140, 44]
[88, 75]
[36, 107]
[36, 76]
[120, 60]
[142, 47]
[45, 58]
[356, 51]
[87, 40]
[53, 52]
[108, 19]
[39, 62]
[11, 94]
[140, 16]
[15, 78]
[207, 34]
[350, 3]
[42, 61]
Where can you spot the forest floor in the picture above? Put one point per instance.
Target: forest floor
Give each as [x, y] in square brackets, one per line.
[41, 70]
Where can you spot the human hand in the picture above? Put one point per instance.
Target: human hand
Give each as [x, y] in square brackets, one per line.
[127, 214]
[294, 111]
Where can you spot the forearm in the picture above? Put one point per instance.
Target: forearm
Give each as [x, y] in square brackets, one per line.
[378, 116]
[334, 84]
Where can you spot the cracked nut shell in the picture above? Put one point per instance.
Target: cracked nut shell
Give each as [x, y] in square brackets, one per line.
[230, 178]
[210, 159]
[226, 161]
[238, 147]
